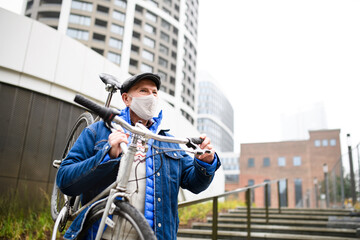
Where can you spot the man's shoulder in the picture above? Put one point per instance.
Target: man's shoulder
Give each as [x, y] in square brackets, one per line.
[98, 127]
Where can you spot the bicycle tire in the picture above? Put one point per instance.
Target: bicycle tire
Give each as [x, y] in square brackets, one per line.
[134, 223]
[58, 199]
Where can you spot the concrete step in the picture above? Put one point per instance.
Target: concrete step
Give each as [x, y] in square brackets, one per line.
[206, 234]
[321, 231]
[284, 209]
[287, 222]
[292, 212]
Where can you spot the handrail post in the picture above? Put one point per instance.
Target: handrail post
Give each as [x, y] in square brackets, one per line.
[248, 205]
[279, 195]
[267, 202]
[215, 218]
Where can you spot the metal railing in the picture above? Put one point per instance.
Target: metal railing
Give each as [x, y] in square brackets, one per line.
[248, 200]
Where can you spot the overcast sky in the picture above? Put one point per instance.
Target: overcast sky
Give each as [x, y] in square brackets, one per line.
[276, 56]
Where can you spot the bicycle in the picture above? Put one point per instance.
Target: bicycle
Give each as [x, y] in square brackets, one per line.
[125, 220]
[61, 203]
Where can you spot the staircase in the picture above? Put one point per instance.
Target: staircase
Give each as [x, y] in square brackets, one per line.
[296, 223]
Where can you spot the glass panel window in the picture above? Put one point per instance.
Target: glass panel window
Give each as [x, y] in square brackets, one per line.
[117, 29]
[149, 42]
[165, 24]
[150, 29]
[325, 142]
[163, 49]
[82, 5]
[120, 3]
[317, 143]
[332, 142]
[283, 196]
[146, 68]
[251, 162]
[148, 55]
[115, 43]
[297, 161]
[266, 162]
[118, 16]
[251, 182]
[150, 16]
[298, 192]
[78, 19]
[164, 37]
[78, 34]
[163, 77]
[281, 161]
[163, 62]
[114, 57]
[268, 193]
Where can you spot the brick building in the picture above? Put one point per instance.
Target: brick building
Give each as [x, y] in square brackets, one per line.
[298, 161]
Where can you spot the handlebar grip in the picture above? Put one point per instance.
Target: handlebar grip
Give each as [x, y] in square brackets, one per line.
[107, 114]
[197, 140]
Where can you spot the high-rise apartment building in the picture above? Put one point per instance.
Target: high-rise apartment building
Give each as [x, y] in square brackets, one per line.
[138, 35]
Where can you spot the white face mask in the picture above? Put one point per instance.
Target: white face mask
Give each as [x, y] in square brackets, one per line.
[145, 106]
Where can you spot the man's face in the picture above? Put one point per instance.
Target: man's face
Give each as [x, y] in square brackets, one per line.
[142, 88]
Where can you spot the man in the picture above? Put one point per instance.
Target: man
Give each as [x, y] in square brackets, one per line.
[92, 163]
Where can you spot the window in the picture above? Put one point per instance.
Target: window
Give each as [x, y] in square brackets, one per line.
[100, 23]
[297, 161]
[251, 182]
[102, 9]
[266, 162]
[317, 143]
[134, 49]
[117, 29]
[283, 196]
[81, 5]
[114, 57]
[164, 37]
[163, 62]
[251, 162]
[78, 19]
[332, 142]
[118, 16]
[115, 43]
[150, 16]
[149, 42]
[136, 35]
[148, 55]
[164, 49]
[281, 161]
[232, 178]
[150, 29]
[78, 34]
[146, 68]
[298, 192]
[162, 75]
[165, 24]
[120, 3]
[325, 142]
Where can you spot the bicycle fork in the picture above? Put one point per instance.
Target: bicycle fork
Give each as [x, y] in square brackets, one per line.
[122, 181]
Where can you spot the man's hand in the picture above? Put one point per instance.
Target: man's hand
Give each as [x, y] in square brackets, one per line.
[206, 144]
[115, 139]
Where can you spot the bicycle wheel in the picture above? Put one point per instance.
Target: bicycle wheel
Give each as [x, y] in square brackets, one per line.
[58, 199]
[129, 223]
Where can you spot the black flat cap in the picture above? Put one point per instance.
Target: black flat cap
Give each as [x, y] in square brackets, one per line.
[125, 87]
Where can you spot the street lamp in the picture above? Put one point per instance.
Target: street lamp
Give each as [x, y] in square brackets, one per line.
[325, 170]
[352, 178]
[316, 192]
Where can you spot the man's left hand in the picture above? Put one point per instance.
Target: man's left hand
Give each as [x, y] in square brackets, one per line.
[206, 144]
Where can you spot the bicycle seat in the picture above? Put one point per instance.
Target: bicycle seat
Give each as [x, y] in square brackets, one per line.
[110, 80]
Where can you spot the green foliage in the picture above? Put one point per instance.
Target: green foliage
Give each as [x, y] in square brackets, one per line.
[25, 221]
[199, 212]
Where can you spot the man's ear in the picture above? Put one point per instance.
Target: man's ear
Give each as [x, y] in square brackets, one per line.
[126, 99]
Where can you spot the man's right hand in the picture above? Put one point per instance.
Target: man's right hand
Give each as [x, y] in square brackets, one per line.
[115, 139]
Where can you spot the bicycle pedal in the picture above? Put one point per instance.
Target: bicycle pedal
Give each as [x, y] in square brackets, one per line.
[109, 222]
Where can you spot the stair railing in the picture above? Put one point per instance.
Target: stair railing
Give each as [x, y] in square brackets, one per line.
[247, 191]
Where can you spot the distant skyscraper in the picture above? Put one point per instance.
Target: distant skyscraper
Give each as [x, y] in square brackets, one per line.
[296, 125]
[138, 35]
[215, 114]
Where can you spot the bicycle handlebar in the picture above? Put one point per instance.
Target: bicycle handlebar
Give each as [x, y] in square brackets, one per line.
[109, 115]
